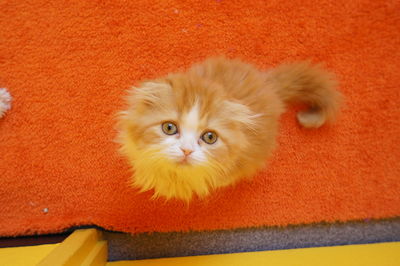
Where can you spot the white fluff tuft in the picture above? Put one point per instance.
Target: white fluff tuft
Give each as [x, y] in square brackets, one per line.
[5, 101]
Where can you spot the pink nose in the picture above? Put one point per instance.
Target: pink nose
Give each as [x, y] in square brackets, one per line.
[187, 152]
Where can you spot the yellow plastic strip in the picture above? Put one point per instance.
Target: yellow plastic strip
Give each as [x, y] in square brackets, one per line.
[98, 255]
[382, 254]
[25, 256]
[74, 249]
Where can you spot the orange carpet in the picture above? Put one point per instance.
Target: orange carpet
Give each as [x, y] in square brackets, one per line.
[68, 63]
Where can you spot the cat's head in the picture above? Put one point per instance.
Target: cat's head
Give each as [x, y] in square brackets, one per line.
[183, 136]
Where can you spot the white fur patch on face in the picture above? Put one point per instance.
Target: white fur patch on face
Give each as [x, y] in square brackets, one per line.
[192, 118]
[184, 148]
[189, 129]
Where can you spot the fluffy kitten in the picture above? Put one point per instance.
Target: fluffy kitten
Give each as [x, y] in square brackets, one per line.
[189, 133]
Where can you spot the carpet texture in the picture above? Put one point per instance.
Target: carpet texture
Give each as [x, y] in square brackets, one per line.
[68, 63]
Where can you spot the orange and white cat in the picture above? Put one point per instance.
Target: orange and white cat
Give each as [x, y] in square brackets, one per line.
[189, 133]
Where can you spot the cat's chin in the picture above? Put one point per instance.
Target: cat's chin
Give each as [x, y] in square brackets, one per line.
[184, 162]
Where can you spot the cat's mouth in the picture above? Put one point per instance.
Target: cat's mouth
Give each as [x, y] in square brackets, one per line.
[185, 161]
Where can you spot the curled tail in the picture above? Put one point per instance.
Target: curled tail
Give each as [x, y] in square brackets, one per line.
[309, 84]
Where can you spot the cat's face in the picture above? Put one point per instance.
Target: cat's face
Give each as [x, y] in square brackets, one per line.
[189, 136]
[187, 139]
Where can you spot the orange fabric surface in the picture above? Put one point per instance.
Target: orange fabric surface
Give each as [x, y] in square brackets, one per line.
[68, 63]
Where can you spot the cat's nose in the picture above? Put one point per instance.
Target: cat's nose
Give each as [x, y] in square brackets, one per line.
[187, 152]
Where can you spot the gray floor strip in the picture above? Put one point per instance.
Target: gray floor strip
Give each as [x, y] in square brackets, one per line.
[156, 245]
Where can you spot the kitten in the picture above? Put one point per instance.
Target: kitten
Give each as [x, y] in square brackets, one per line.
[189, 133]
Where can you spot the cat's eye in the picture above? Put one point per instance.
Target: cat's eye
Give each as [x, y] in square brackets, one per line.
[169, 128]
[209, 137]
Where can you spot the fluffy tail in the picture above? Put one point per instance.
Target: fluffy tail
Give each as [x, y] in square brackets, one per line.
[309, 84]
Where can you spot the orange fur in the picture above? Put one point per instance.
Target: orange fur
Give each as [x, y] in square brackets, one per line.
[237, 101]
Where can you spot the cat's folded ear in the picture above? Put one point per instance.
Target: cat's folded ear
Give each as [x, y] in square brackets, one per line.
[149, 94]
[241, 114]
